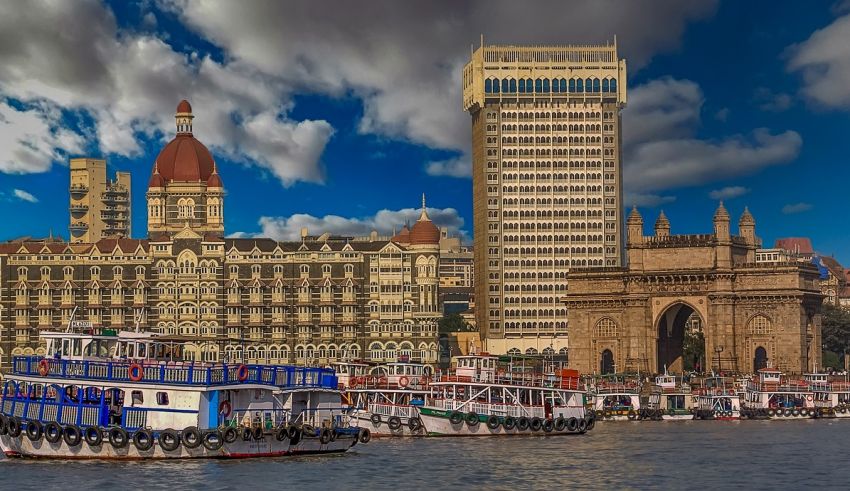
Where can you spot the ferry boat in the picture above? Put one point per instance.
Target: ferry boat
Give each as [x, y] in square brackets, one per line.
[831, 399]
[616, 398]
[385, 398]
[771, 395]
[670, 400]
[130, 395]
[717, 398]
[479, 399]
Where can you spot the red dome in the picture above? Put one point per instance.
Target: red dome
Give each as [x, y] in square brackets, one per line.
[424, 231]
[184, 107]
[156, 181]
[214, 181]
[185, 159]
[403, 237]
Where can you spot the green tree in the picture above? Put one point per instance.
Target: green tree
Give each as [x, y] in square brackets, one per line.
[453, 323]
[835, 330]
[693, 350]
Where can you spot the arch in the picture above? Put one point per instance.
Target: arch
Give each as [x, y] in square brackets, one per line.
[759, 359]
[677, 339]
[606, 362]
[760, 325]
[606, 327]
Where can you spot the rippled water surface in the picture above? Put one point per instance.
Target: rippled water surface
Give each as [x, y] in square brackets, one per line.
[662, 455]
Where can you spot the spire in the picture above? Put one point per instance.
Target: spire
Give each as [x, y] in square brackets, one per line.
[662, 225]
[721, 213]
[183, 118]
[634, 215]
[424, 215]
[746, 218]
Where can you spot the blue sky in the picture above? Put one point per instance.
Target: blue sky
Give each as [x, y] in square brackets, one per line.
[338, 119]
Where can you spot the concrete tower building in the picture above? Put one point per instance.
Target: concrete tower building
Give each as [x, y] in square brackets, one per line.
[546, 183]
[99, 207]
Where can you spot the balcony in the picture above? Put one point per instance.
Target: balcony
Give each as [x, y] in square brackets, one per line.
[79, 209]
[79, 227]
[79, 190]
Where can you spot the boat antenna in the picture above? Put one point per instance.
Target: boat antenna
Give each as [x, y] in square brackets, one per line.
[71, 319]
[137, 319]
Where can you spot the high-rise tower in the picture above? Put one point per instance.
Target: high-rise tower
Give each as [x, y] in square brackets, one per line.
[547, 185]
[99, 207]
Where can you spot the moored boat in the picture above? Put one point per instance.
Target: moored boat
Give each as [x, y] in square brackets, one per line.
[769, 394]
[616, 398]
[479, 399]
[717, 398]
[671, 399]
[131, 395]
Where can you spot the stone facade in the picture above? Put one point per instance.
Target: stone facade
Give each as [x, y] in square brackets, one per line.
[752, 314]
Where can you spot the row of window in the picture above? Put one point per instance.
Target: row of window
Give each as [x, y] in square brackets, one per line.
[545, 86]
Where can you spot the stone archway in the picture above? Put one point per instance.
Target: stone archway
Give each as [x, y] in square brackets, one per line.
[673, 339]
[760, 359]
[606, 362]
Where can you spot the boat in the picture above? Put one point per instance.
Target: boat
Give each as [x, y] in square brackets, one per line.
[131, 395]
[717, 398]
[384, 398]
[671, 399]
[616, 398]
[771, 395]
[477, 398]
[831, 399]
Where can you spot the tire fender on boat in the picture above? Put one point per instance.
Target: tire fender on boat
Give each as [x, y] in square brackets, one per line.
[169, 440]
[212, 440]
[375, 418]
[118, 437]
[325, 436]
[365, 435]
[34, 430]
[414, 423]
[143, 440]
[72, 435]
[394, 422]
[93, 436]
[191, 437]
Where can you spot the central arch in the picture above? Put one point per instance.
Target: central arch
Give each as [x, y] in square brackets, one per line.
[680, 344]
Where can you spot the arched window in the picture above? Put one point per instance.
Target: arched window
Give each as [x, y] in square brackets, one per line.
[538, 85]
[514, 352]
[488, 86]
[495, 85]
[605, 85]
[606, 328]
[588, 85]
[512, 87]
[545, 85]
[579, 85]
[572, 85]
[596, 87]
[760, 325]
[531, 351]
[564, 85]
[505, 85]
[613, 86]
[522, 85]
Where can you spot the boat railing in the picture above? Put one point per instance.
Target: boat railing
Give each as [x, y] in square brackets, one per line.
[616, 388]
[282, 376]
[382, 382]
[400, 410]
[519, 379]
[795, 386]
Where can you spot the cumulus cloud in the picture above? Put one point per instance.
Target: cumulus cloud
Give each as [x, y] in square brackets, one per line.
[31, 139]
[728, 192]
[457, 167]
[824, 62]
[25, 196]
[793, 208]
[662, 151]
[384, 222]
[130, 83]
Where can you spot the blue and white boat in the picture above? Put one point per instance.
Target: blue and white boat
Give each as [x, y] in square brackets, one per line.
[131, 395]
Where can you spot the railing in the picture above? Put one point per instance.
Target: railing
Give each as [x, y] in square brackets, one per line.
[283, 376]
[402, 411]
[514, 379]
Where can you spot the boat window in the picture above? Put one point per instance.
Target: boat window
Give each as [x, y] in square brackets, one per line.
[131, 350]
[66, 347]
[136, 397]
[162, 398]
[78, 347]
[141, 350]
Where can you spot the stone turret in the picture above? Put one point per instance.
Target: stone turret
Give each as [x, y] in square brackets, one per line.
[721, 224]
[634, 225]
[747, 227]
[662, 225]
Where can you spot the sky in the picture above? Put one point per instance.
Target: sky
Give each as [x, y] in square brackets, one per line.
[337, 116]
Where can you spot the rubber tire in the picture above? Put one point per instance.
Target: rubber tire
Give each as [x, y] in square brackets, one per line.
[191, 437]
[365, 435]
[143, 440]
[72, 436]
[169, 440]
[257, 434]
[509, 423]
[632, 415]
[35, 430]
[14, 427]
[414, 423]
[296, 434]
[207, 442]
[3, 421]
[118, 437]
[325, 436]
[523, 423]
[375, 419]
[493, 422]
[548, 426]
[230, 435]
[536, 424]
[282, 434]
[582, 425]
[394, 423]
[53, 432]
[572, 425]
[456, 418]
[591, 423]
[247, 434]
[560, 424]
[93, 435]
[472, 419]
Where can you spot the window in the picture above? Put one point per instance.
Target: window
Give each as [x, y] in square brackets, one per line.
[760, 325]
[538, 85]
[136, 397]
[579, 85]
[488, 86]
[522, 85]
[605, 85]
[305, 269]
[162, 398]
[613, 86]
[606, 328]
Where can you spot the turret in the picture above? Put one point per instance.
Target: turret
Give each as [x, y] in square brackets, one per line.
[747, 227]
[721, 224]
[634, 225]
[662, 225]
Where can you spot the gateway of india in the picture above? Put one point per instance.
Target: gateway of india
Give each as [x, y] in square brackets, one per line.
[751, 315]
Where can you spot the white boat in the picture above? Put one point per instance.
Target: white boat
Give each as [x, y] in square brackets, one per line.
[671, 400]
[130, 395]
[385, 398]
[831, 399]
[717, 399]
[616, 398]
[769, 394]
[476, 399]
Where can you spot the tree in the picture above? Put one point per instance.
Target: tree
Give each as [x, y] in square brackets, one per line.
[453, 323]
[693, 350]
[835, 329]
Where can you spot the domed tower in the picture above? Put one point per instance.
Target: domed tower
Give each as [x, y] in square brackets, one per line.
[721, 224]
[662, 225]
[747, 227]
[185, 188]
[424, 242]
[634, 226]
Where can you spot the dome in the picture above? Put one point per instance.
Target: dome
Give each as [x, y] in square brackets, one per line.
[403, 237]
[721, 213]
[424, 231]
[185, 159]
[156, 180]
[214, 181]
[184, 107]
[747, 218]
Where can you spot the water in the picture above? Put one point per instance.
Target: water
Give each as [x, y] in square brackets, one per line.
[661, 455]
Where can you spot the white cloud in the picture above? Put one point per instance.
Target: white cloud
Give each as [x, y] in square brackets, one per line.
[790, 209]
[644, 200]
[25, 196]
[456, 167]
[31, 139]
[729, 192]
[824, 61]
[661, 150]
[384, 221]
[130, 84]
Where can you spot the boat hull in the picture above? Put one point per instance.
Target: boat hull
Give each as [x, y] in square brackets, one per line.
[363, 419]
[437, 423]
[22, 446]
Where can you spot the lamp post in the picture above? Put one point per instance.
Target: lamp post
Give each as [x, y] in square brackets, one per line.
[718, 350]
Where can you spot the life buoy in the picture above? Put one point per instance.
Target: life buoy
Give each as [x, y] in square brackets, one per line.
[809, 398]
[382, 380]
[43, 368]
[403, 381]
[242, 373]
[352, 383]
[224, 408]
[135, 372]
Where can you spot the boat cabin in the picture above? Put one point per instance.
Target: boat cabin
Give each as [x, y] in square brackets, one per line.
[479, 368]
[403, 374]
[121, 345]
